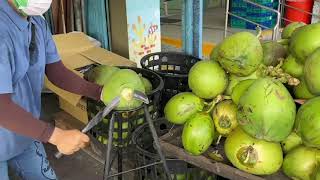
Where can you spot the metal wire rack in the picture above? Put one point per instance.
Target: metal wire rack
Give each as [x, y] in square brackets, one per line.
[280, 11]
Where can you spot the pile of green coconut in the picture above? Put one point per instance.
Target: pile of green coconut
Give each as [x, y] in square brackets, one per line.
[118, 82]
[259, 100]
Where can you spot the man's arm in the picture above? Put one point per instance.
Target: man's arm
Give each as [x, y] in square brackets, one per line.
[62, 77]
[16, 119]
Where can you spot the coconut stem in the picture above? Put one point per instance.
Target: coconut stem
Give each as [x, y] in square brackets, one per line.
[211, 105]
[278, 73]
[248, 154]
[219, 139]
[259, 32]
[283, 41]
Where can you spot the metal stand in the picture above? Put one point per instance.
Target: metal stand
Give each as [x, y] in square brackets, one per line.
[108, 162]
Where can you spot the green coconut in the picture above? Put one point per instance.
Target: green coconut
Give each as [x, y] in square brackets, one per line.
[180, 176]
[198, 133]
[316, 174]
[289, 29]
[239, 89]
[207, 79]
[308, 122]
[234, 80]
[267, 110]
[252, 155]
[301, 91]
[300, 163]
[241, 54]
[182, 106]
[147, 84]
[124, 126]
[292, 141]
[123, 83]
[292, 66]
[215, 52]
[304, 41]
[101, 74]
[272, 53]
[224, 117]
[312, 73]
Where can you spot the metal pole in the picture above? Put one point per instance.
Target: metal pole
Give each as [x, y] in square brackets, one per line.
[226, 20]
[156, 141]
[109, 148]
[192, 23]
[120, 144]
[187, 22]
[275, 29]
[109, 39]
[197, 27]
[84, 22]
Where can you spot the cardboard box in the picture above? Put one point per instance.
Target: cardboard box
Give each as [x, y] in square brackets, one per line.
[76, 52]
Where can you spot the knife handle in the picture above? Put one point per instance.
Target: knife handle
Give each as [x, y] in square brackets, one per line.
[58, 155]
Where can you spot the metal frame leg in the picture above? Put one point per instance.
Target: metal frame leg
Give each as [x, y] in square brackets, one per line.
[156, 141]
[120, 162]
[109, 148]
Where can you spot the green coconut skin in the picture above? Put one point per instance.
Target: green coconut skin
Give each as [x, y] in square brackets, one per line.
[292, 67]
[240, 88]
[241, 54]
[316, 174]
[101, 74]
[252, 155]
[234, 80]
[301, 91]
[182, 106]
[224, 117]
[272, 52]
[308, 122]
[312, 73]
[147, 84]
[267, 110]
[198, 133]
[289, 29]
[120, 80]
[305, 41]
[300, 163]
[292, 141]
[207, 79]
[214, 54]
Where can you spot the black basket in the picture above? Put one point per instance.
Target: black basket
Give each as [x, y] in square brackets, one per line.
[126, 121]
[146, 155]
[173, 67]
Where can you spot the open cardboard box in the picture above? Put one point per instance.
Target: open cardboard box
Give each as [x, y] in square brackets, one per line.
[77, 52]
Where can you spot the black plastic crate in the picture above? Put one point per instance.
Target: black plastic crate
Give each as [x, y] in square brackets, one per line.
[147, 155]
[126, 121]
[174, 68]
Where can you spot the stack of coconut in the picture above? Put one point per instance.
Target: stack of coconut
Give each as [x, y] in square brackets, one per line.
[246, 94]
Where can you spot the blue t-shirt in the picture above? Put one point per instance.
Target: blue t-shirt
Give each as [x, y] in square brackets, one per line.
[26, 46]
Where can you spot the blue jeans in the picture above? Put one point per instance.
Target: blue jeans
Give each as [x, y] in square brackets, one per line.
[32, 164]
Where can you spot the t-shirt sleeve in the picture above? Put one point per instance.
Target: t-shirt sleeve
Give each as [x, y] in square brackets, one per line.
[5, 69]
[52, 54]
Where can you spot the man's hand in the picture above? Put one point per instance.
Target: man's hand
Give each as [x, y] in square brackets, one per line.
[68, 141]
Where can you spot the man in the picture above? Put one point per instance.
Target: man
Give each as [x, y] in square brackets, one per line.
[27, 54]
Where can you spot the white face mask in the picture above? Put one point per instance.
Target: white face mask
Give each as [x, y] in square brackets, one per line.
[33, 7]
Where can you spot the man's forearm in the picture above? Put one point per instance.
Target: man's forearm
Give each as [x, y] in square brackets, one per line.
[65, 79]
[16, 119]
